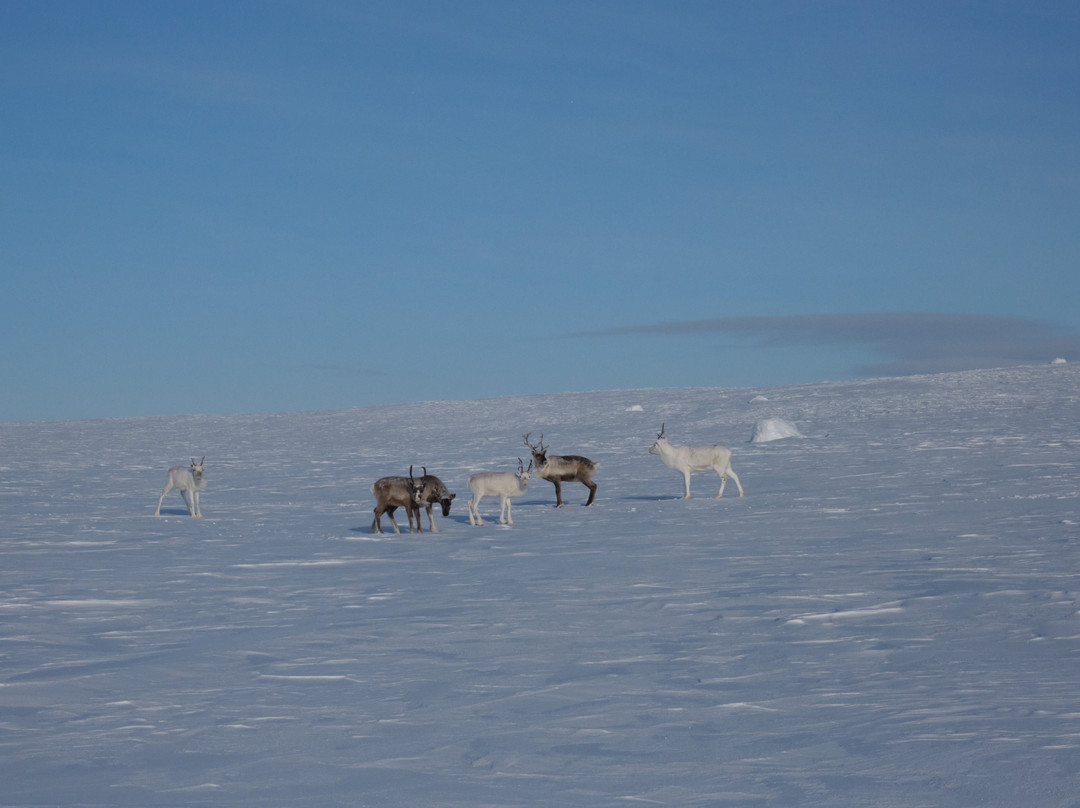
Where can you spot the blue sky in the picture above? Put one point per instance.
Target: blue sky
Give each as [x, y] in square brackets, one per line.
[274, 206]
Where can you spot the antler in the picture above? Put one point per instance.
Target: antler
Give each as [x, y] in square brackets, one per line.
[661, 432]
[539, 448]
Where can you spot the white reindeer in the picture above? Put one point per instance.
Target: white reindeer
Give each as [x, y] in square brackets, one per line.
[696, 458]
[502, 484]
[187, 480]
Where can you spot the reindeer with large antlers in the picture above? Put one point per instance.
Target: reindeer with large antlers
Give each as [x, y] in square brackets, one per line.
[696, 458]
[559, 469]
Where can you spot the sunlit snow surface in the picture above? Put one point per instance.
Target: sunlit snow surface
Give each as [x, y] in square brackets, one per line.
[890, 617]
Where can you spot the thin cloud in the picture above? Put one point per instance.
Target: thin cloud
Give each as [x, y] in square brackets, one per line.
[907, 343]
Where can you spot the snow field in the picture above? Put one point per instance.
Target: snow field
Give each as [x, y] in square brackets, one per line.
[889, 617]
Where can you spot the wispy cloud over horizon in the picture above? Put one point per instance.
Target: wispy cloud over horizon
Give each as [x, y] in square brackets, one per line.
[907, 342]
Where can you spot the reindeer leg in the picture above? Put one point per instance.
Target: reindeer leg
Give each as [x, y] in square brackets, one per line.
[723, 483]
[198, 510]
[558, 494]
[431, 522]
[376, 523]
[686, 484]
[390, 512]
[735, 477]
[592, 491]
[190, 510]
[168, 488]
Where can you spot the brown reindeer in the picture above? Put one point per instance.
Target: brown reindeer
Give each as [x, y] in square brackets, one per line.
[559, 469]
[396, 492]
[432, 490]
[412, 494]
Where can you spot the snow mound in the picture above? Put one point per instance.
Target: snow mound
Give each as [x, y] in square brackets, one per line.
[1058, 361]
[758, 400]
[769, 429]
[635, 408]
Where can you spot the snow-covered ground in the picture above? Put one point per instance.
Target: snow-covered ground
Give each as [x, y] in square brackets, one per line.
[890, 617]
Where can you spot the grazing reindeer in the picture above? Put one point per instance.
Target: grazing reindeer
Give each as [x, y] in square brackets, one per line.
[563, 469]
[432, 490]
[502, 484]
[187, 480]
[411, 494]
[696, 458]
[392, 493]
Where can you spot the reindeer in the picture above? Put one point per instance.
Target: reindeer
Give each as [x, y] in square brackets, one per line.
[696, 458]
[502, 484]
[432, 490]
[186, 479]
[396, 492]
[559, 469]
[411, 494]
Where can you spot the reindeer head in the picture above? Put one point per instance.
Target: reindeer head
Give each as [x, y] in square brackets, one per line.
[523, 473]
[539, 452]
[446, 502]
[197, 468]
[661, 442]
[430, 486]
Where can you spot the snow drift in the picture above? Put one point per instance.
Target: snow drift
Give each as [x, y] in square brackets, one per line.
[770, 429]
